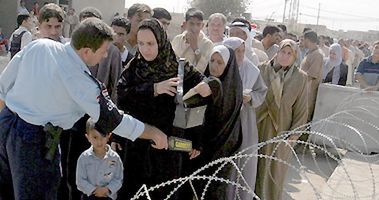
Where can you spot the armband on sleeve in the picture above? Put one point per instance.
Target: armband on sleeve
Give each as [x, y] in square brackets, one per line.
[110, 117]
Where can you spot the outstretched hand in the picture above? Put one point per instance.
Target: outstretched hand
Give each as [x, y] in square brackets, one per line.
[203, 89]
[158, 138]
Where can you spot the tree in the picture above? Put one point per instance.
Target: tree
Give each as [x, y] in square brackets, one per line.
[226, 7]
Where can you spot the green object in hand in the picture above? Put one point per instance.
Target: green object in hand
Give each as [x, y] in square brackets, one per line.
[53, 134]
[179, 144]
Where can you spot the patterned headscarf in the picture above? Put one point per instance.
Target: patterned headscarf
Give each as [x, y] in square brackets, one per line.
[165, 65]
[289, 43]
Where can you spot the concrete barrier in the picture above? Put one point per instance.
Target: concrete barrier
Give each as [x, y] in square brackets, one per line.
[349, 116]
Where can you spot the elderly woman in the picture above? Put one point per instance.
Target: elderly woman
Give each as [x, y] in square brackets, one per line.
[222, 126]
[147, 90]
[254, 93]
[284, 109]
[241, 28]
[335, 71]
[222, 121]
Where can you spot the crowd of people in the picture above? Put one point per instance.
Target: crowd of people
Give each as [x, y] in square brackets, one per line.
[28, 26]
[87, 108]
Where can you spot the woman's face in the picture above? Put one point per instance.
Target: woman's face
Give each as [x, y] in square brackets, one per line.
[216, 65]
[333, 55]
[285, 57]
[147, 44]
[375, 51]
[240, 54]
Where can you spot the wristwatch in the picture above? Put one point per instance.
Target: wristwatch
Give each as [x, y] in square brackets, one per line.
[197, 51]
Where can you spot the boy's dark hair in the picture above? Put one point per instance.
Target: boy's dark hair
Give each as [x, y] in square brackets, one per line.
[270, 30]
[90, 12]
[194, 12]
[138, 8]
[311, 36]
[22, 18]
[50, 10]
[91, 33]
[244, 21]
[159, 13]
[121, 22]
[283, 27]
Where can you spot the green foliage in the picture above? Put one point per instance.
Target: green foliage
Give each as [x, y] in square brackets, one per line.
[226, 7]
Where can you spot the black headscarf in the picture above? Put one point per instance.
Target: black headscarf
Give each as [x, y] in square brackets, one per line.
[135, 87]
[164, 66]
[222, 118]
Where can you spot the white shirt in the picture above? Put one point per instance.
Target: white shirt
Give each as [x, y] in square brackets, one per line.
[92, 171]
[48, 82]
[124, 54]
[26, 38]
[182, 49]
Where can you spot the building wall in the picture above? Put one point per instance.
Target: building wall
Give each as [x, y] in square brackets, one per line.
[8, 16]
[107, 7]
[8, 10]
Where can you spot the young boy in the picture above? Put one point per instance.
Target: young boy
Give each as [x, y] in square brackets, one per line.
[50, 20]
[193, 44]
[136, 13]
[121, 27]
[99, 171]
[21, 36]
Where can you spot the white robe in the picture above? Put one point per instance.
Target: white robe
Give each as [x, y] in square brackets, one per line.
[251, 80]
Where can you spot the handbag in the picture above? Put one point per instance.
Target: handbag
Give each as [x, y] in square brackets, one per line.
[186, 115]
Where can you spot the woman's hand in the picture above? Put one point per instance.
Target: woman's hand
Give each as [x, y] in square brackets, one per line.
[194, 153]
[203, 89]
[246, 98]
[166, 87]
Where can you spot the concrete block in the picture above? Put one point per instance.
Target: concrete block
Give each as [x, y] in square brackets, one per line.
[354, 178]
[348, 116]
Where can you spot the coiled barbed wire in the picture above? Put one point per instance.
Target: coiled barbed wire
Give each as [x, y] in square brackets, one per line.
[319, 141]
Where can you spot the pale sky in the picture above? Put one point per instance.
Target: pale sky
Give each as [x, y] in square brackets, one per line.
[335, 14]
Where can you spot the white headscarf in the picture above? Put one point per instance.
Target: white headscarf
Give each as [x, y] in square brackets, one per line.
[329, 64]
[223, 51]
[249, 53]
[338, 50]
[233, 42]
